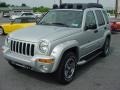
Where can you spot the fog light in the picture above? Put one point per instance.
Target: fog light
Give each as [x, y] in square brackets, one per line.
[45, 68]
[48, 61]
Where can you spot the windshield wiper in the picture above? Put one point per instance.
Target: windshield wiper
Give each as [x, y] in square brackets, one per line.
[61, 24]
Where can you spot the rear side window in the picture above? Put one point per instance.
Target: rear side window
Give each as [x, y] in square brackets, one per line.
[100, 18]
[106, 16]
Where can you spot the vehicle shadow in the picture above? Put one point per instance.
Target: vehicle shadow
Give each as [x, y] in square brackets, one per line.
[47, 78]
[50, 78]
[84, 68]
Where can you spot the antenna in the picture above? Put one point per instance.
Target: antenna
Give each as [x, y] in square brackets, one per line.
[97, 1]
[116, 9]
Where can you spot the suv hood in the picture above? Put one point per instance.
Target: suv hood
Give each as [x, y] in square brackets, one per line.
[38, 32]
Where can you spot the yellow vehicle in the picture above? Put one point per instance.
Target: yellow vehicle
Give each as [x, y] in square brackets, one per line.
[16, 24]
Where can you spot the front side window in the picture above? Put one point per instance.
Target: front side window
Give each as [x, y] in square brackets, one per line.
[100, 17]
[65, 18]
[90, 19]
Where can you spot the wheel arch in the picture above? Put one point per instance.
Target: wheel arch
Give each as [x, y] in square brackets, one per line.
[63, 48]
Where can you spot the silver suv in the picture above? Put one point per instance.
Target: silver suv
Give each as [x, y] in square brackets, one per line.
[65, 37]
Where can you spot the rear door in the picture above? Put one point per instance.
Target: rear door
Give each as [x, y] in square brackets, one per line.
[102, 24]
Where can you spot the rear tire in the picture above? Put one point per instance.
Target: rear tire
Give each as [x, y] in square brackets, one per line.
[106, 47]
[67, 67]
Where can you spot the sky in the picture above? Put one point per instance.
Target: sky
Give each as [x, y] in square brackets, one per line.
[49, 3]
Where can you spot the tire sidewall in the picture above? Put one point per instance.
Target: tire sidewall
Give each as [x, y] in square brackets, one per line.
[61, 70]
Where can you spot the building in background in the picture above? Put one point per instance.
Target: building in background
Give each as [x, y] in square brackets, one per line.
[8, 11]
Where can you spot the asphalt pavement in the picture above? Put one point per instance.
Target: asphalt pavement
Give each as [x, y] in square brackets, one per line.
[99, 74]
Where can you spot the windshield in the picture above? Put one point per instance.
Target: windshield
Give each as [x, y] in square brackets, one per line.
[27, 14]
[66, 18]
[24, 20]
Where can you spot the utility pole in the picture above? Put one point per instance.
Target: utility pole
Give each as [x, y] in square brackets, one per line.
[116, 9]
[60, 2]
[97, 1]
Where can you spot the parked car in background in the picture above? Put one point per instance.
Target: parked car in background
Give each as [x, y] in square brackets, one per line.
[111, 16]
[115, 25]
[37, 14]
[28, 14]
[6, 14]
[16, 24]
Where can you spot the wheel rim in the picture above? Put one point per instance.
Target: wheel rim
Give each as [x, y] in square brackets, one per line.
[69, 68]
[1, 31]
[107, 46]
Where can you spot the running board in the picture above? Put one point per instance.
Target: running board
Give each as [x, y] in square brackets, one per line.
[81, 62]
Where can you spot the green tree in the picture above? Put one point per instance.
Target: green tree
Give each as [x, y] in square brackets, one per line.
[3, 4]
[40, 9]
[23, 5]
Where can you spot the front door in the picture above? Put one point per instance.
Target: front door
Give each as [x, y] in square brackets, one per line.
[89, 36]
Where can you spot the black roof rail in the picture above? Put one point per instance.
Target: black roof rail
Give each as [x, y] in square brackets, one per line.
[77, 6]
[55, 6]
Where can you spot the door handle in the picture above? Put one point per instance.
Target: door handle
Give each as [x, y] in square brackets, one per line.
[95, 31]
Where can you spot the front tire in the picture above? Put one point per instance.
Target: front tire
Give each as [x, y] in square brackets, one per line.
[67, 67]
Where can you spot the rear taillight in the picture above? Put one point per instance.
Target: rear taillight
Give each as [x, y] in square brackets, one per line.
[114, 22]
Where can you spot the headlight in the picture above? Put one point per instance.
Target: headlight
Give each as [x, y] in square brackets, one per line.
[7, 41]
[44, 46]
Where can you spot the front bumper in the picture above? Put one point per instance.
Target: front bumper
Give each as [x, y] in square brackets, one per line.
[29, 61]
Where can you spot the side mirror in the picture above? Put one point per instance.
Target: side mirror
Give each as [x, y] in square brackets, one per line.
[38, 19]
[91, 26]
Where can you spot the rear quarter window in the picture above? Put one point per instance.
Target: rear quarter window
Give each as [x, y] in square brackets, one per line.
[106, 16]
[100, 17]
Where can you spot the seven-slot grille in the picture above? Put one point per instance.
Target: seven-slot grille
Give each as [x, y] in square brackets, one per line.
[22, 48]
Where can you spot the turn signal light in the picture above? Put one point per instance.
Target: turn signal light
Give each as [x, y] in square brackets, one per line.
[48, 61]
